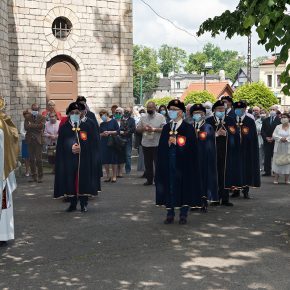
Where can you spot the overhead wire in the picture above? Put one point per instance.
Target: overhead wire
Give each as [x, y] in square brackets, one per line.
[168, 20]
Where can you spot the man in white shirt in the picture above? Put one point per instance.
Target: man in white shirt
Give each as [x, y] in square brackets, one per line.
[150, 125]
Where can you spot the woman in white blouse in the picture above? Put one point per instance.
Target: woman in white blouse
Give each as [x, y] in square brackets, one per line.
[281, 158]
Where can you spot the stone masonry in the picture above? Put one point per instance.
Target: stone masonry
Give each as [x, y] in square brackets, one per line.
[100, 43]
[4, 53]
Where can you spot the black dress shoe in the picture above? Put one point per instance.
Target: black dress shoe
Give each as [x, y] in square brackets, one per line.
[108, 180]
[236, 193]
[148, 183]
[266, 174]
[227, 203]
[215, 203]
[3, 244]
[246, 195]
[169, 220]
[71, 209]
[183, 221]
[84, 209]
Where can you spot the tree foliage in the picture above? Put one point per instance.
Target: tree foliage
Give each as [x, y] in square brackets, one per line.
[256, 94]
[160, 101]
[227, 60]
[256, 62]
[172, 59]
[271, 21]
[199, 97]
[145, 64]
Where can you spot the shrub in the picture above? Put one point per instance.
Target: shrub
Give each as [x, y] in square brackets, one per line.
[199, 97]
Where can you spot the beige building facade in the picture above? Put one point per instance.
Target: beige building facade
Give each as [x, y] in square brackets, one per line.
[58, 49]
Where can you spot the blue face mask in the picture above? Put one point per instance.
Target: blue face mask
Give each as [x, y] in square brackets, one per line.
[34, 113]
[75, 118]
[219, 115]
[239, 112]
[104, 118]
[163, 112]
[197, 117]
[173, 114]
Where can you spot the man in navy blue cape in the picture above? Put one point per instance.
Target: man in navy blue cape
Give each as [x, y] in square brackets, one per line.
[177, 180]
[228, 103]
[75, 168]
[249, 149]
[205, 135]
[91, 116]
[227, 151]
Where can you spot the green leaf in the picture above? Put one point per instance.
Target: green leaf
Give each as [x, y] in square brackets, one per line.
[265, 20]
[249, 21]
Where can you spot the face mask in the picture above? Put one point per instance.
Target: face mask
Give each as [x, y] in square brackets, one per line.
[75, 118]
[173, 114]
[239, 112]
[208, 112]
[163, 112]
[284, 120]
[118, 116]
[142, 114]
[273, 113]
[34, 113]
[53, 120]
[150, 112]
[219, 115]
[263, 116]
[104, 118]
[197, 117]
[127, 114]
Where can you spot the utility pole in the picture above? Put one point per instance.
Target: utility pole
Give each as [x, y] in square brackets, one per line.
[141, 89]
[249, 59]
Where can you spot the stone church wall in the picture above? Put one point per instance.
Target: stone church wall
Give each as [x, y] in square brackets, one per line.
[4, 53]
[100, 43]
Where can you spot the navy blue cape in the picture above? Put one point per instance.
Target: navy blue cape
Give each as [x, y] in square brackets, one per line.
[187, 189]
[229, 151]
[67, 163]
[207, 160]
[249, 153]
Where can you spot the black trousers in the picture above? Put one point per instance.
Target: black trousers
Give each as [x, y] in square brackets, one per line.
[150, 157]
[83, 201]
[268, 151]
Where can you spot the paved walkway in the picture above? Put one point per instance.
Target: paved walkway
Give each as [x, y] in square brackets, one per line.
[121, 243]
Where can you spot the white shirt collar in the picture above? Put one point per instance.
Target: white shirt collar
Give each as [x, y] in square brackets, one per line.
[242, 118]
[178, 123]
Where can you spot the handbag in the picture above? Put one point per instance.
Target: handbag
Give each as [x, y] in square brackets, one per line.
[51, 150]
[283, 159]
[120, 141]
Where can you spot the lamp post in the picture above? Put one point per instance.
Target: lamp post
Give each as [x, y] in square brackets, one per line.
[141, 89]
[207, 66]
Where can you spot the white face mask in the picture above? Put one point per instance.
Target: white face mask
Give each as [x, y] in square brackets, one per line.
[284, 120]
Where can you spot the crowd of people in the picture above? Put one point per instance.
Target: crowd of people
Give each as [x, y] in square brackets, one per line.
[196, 155]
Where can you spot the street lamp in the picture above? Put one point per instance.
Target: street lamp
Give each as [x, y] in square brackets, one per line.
[207, 66]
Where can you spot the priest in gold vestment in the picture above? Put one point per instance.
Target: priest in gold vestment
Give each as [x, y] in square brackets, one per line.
[8, 161]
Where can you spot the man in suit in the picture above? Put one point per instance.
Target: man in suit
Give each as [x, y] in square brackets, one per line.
[34, 125]
[268, 126]
[228, 103]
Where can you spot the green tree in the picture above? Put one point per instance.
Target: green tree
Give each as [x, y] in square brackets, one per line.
[145, 65]
[160, 101]
[256, 62]
[199, 97]
[270, 20]
[256, 94]
[227, 60]
[171, 59]
[196, 62]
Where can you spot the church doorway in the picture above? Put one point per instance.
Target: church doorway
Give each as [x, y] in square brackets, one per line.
[61, 81]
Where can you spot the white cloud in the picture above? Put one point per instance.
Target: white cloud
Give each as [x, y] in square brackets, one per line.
[153, 31]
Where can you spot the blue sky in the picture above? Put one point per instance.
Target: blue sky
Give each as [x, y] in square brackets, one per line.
[152, 31]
